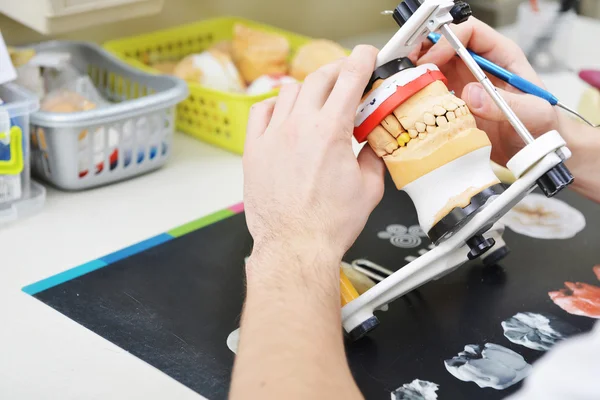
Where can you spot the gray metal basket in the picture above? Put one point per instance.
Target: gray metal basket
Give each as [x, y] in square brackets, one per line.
[131, 136]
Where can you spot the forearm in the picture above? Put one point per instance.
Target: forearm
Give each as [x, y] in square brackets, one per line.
[584, 143]
[291, 343]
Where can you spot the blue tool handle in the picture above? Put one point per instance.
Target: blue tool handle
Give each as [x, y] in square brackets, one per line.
[514, 80]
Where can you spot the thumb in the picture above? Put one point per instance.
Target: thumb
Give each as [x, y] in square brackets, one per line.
[537, 114]
[373, 170]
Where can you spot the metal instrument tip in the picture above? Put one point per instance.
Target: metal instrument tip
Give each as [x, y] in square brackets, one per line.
[387, 12]
[570, 110]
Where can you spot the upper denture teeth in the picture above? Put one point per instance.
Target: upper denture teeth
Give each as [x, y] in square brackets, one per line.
[439, 110]
[458, 112]
[441, 121]
[429, 119]
[421, 127]
[450, 106]
[451, 116]
[413, 133]
[459, 101]
[465, 110]
[406, 123]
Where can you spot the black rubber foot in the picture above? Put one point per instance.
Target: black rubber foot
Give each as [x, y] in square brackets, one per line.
[496, 256]
[363, 329]
[479, 246]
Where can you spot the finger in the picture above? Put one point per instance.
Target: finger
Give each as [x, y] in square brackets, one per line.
[488, 43]
[260, 116]
[285, 103]
[414, 55]
[537, 114]
[318, 85]
[351, 83]
[373, 170]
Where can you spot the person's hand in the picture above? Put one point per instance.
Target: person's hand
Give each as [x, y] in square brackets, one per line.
[537, 114]
[304, 187]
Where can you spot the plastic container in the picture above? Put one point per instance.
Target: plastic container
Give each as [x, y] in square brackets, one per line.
[19, 195]
[60, 16]
[131, 136]
[212, 116]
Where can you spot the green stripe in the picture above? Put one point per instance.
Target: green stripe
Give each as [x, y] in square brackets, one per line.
[200, 223]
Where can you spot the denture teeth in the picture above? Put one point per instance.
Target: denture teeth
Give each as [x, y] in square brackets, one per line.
[458, 112]
[450, 106]
[391, 147]
[421, 127]
[406, 123]
[439, 110]
[459, 101]
[465, 110]
[422, 135]
[451, 116]
[430, 129]
[429, 119]
[391, 124]
[413, 133]
[441, 121]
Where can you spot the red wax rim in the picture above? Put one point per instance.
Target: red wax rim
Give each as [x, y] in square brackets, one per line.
[402, 94]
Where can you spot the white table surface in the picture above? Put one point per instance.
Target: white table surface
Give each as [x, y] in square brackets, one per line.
[45, 355]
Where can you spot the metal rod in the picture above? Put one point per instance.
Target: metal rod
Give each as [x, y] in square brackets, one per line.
[489, 87]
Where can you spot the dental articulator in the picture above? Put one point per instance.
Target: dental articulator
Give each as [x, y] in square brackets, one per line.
[434, 152]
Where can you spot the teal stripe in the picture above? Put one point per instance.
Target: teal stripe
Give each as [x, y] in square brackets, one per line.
[63, 277]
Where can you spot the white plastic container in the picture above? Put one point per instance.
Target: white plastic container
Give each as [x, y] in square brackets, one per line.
[60, 16]
[19, 195]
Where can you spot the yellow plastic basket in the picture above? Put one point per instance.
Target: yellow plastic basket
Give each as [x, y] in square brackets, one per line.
[212, 116]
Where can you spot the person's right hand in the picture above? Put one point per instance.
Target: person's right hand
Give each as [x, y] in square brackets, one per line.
[537, 114]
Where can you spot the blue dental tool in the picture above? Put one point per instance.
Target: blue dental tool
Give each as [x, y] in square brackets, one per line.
[516, 81]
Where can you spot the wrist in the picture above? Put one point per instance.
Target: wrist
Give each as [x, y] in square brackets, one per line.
[584, 143]
[282, 258]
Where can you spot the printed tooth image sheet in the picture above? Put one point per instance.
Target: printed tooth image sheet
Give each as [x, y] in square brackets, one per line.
[491, 366]
[174, 300]
[579, 298]
[416, 390]
[539, 217]
[536, 331]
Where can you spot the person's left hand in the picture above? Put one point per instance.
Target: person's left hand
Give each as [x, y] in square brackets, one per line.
[304, 186]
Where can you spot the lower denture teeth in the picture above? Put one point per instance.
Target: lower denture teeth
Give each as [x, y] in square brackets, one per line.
[422, 135]
[441, 121]
[451, 116]
[430, 129]
[413, 133]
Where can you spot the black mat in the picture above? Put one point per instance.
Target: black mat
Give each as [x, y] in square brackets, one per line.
[174, 305]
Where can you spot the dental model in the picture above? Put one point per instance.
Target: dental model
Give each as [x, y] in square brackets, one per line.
[425, 134]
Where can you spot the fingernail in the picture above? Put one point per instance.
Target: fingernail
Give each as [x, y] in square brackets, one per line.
[476, 96]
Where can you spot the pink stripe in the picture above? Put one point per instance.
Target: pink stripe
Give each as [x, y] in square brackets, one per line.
[238, 208]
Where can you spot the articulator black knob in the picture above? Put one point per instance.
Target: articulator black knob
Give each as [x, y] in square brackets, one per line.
[405, 10]
[461, 12]
[555, 180]
[479, 245]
